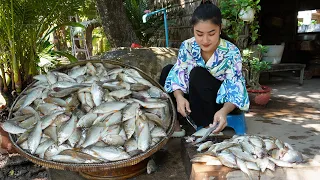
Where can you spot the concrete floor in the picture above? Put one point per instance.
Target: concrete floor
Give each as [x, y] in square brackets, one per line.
[292, 115]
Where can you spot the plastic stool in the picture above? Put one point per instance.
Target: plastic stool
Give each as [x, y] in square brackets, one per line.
[237, 122]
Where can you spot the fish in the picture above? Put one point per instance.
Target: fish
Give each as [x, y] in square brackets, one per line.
[129, 127]
[151, 166]
[34, 138]
[111, 153]
[33, 95]
[109, 106]
[67, 130]
[93, 136]
[87, 120]
[243, 167]
[41, 149]
[97, 94]
[115, 118]
[130, 111]
[91, 113]
[121, 93]
[12, 128]
[158, 132]
[143, 133]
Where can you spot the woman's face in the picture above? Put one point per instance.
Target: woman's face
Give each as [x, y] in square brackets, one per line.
[207, 35]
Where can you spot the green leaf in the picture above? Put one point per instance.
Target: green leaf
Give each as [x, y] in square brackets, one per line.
[71, 58]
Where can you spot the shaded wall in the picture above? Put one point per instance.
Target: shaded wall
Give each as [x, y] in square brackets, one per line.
[179, 15]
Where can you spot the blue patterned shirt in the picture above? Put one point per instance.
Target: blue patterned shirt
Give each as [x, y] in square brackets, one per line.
[225, 65]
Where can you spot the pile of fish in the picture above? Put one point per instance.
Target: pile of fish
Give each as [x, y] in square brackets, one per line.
[249, 152]
[93, 113]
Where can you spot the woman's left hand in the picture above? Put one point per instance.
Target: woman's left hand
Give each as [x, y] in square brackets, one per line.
[220, 118]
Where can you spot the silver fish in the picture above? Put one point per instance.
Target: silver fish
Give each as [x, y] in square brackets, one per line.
[64, 76]
[67, 159]
[227, 159]
[29, 123]
[150, 104]
[93, 136]
[126, 78]
[242, 165]
[109, 106]
[43, 147]
[158, 132]
[52, 78]
[120, 93]
[56, 101]
[89, 100]
[75, 137]
[110, 153]
[87, 120]
[143, 133]
[67, 130]
[33, 95]
[12, 128]
[280, 162]
[129, 127]
[74, 73]
[91, 70]
[113, 140]
[139, 87]
[131, 145]
[151, 166]
[23, 137]
[51, 131]
[115, 118]
[130, 111]
[97, 94]
[41, 78]
[34, 138]
[49, 119]
[203, 146]
[47, 108]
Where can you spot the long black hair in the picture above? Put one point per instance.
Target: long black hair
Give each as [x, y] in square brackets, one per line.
[208, 11]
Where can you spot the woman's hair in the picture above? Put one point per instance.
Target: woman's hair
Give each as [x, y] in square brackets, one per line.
[208, 11]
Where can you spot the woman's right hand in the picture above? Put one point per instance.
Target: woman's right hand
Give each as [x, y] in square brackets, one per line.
[183, 105]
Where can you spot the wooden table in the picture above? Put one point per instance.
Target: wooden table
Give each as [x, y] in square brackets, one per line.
[288, 67]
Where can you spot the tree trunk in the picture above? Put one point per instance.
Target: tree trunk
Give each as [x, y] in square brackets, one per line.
[115, 23]
[89, 36]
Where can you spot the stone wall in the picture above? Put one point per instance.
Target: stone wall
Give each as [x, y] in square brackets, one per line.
[179, 15]
[149, 60]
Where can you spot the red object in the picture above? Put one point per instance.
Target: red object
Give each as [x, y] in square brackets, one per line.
[135, 45]
[260, 97]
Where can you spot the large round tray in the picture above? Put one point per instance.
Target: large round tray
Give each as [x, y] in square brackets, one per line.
[92, 167]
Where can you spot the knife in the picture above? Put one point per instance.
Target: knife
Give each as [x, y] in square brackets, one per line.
[191, 122]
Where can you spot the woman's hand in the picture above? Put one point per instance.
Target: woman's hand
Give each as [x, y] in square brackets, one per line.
[183, 106]
[220, 118]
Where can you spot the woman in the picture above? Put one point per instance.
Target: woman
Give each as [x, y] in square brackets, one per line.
[206, 80]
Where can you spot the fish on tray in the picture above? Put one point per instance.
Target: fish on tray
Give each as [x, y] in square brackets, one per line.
[92, 113]
[249, 152]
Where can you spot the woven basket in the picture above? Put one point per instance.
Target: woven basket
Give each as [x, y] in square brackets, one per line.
[93, 167]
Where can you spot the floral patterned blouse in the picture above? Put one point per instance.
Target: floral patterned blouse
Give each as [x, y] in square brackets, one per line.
[225, 64]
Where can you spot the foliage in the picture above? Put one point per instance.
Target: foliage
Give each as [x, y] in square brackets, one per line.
[253, 65]
[144, 31]
[25, 27]
[230, 10]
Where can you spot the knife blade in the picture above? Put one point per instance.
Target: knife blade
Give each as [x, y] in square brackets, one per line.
[191, 122]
